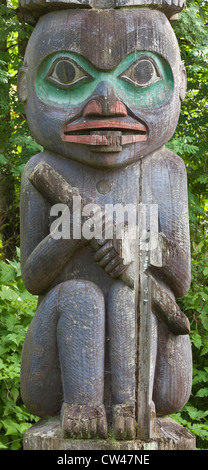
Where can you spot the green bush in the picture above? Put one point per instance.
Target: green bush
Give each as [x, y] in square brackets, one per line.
[17, 307]
[194, 415]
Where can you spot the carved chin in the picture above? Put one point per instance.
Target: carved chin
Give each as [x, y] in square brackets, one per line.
[105, 157]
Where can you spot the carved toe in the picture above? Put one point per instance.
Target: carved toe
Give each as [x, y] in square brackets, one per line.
[83, 421]
[124, 425]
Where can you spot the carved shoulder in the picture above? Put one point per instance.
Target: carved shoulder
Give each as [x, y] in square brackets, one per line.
[173, 161]
[165, 158]
[30, 165]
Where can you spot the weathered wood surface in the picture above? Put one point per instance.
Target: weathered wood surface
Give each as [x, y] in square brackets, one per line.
[102, 94]
[154, 300]
[55, 189]
[170, 7]
[169, 436]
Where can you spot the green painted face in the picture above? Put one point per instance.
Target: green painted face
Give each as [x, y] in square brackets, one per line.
[143, 79]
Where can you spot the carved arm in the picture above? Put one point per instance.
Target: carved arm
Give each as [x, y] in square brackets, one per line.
[42, 255]
[56, 189]
[175, 267]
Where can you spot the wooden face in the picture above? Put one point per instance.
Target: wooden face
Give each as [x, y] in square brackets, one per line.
[103, 86]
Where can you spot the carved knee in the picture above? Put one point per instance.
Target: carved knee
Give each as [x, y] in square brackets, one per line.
[173, 375]
[41, 387]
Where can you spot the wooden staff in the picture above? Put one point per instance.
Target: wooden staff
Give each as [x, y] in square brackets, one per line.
[146, 336]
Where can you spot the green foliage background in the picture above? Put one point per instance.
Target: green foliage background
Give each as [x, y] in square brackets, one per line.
[190, 141]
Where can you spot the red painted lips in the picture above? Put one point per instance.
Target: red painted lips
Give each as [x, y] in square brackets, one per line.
[85, 132]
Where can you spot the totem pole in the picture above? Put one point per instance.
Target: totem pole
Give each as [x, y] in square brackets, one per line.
[108, 347]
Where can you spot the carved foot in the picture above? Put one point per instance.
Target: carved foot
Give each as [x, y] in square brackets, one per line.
[124, 424]
[83, 421]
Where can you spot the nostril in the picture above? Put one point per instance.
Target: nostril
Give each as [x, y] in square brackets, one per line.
[93, 107]
[104, 108]
[119, 109]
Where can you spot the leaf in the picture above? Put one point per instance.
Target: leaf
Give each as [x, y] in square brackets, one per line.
[200, 430]
[204, 317]
[7, 272]
[17, 171]
[199, 376]
[198, 248]
[16, 444]
[205, 272]
[16, 266]
[192, 411]
[10, 426]
[13, 337]
[203, 178]
[204, 295]
[3, 159]
[18, 252]
[203, 392]
[7, 293]
[2, 445]
[15, 393]
[204, 347]
[196, 340]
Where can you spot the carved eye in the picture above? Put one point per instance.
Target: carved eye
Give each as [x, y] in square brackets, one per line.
[142, 73]
[65, 73]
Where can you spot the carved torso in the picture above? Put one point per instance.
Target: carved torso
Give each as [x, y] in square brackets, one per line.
[156, 179]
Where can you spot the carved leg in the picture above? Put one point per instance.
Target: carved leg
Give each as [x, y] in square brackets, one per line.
[121, 317]
[40, 378]
[173, 375]
[80, 335]
[76, 363]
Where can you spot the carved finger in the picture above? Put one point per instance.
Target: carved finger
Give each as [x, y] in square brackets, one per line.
[103, 250]
[113, 263]
[107, 258]
[118, 270]
[118, 246]
[101, 241]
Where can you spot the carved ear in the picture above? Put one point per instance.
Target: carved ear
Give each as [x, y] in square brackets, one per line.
[183, 82]
[22, 84]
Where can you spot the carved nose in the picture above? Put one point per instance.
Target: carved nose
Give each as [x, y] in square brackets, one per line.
[94, 107]
[106, 103]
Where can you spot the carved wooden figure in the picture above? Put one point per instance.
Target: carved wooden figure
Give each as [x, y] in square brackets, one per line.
[102, 92]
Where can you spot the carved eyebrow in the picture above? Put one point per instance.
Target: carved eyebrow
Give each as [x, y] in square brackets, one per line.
[49, 61]
[133, 57]
[94, 70]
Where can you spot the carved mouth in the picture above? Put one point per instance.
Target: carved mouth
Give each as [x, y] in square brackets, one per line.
[107, 135]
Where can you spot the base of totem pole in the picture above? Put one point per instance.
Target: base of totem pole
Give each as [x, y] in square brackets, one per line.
[46, 435]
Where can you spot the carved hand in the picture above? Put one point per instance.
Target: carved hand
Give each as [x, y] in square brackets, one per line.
[108, 256]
